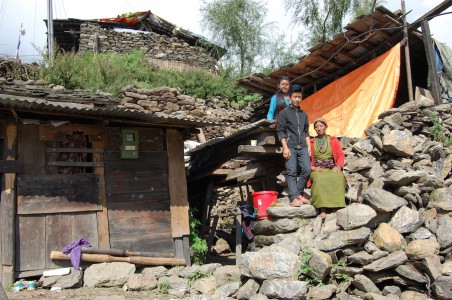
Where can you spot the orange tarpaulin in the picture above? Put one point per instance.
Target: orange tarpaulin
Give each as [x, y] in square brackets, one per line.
[353, 102]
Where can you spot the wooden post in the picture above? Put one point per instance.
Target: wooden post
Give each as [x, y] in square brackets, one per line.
[96, 43]
[238, 236]
[407, 55]
[102, 216]
[8, 209]
[205, 215]
[433, 73]
[3, 295]
[201, 137]
[177, 183]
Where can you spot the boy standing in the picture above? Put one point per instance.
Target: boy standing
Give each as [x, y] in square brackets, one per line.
[293, 132]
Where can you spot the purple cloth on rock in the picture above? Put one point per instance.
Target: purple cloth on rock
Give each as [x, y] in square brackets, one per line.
[75, 252]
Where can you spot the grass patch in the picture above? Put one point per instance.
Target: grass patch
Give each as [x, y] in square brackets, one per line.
[111, 72]
[437, 131]
[163, 287]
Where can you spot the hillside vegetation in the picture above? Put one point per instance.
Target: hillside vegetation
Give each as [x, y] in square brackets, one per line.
[111, 72]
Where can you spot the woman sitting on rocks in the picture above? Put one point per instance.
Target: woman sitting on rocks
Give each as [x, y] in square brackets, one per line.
[327, 163]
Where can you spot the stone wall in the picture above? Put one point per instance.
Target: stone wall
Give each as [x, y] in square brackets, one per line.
[169, 102]
[393, 240]
[154, 45]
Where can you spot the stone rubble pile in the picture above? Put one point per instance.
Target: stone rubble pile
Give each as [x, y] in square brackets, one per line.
[394, 239]
[153, 45]
[209, 280]
[57, 93]
[169, 102]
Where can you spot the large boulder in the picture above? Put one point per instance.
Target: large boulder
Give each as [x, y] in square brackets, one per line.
[284, 289]
[72, 280]
[270, 263]
[398, 143]
[304, 211]
[141, 282]
[383, 201]
[275, 226]
[406, 220]
[319, 264]
[364, 284]
[354, 216]
[398, 178]
[339, 239]
[419, 249]
[410, 272]
[444, 232]
[248, 290]
[387, 262]
[389, 239]
[108, 274]
[443, 287]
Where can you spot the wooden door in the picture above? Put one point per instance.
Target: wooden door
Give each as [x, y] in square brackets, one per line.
[137, 194]
[59, 192]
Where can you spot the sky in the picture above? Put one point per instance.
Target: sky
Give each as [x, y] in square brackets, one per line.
[183, 13]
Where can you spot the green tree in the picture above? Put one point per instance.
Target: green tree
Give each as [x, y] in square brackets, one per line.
[240, 27]
[281, 51]
[325, 18]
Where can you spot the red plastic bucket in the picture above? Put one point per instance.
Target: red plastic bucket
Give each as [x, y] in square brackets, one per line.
[262, 200]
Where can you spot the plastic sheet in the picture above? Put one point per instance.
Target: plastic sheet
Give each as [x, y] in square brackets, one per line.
[353, 102]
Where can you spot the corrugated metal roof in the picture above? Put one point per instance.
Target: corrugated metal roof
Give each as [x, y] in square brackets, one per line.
[364, 39]
[21, 103]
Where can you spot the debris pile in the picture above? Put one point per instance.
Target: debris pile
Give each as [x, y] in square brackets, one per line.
[165, 101]
[393, 240]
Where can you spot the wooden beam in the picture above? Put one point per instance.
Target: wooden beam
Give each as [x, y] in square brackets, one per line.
[212, 157]
[407, 55]
[432, 72]
[254, 170]
[102, 216]
[221, 172]
[138, 260]
[177, 183]
[259, 150]
[238, 236]
[206, 204]
[433, 12]
[8, 208]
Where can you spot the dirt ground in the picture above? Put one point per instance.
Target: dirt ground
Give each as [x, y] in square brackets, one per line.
[86, 293]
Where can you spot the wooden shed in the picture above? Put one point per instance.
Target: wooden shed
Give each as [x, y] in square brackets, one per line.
[71, 170]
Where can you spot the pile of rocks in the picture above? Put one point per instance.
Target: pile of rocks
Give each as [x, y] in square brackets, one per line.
[211, 279]
[393, 241]
[165, 101]
[40, 90]
[154, 45]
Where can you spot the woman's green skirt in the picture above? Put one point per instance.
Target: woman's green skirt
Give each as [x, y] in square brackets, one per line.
[328, 189]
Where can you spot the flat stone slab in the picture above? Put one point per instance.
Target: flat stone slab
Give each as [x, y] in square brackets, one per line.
[341, 239]
[304, 211]
[387, 262]
[382, 200]
[275, 226]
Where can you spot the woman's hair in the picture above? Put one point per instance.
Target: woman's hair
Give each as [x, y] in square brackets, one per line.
[280, 104]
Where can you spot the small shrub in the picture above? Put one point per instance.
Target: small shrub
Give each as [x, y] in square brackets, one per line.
[197, 244]
[305, 255]
[198, 274]
[437, 131]
[163, 287]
